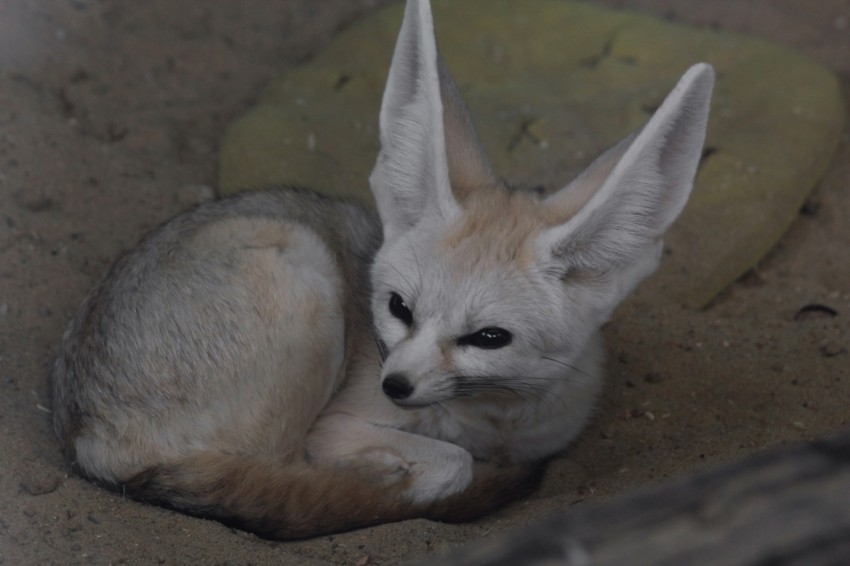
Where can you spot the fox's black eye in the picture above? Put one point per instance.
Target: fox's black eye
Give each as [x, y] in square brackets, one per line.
[400, 310]
[490, 338]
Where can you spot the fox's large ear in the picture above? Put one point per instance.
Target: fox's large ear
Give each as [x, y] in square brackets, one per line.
[428, 145]
[614, 214]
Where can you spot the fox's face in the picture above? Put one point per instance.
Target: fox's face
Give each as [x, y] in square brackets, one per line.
[465, 306]
[477, 288]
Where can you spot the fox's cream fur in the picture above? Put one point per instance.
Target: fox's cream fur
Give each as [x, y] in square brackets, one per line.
[296, 365]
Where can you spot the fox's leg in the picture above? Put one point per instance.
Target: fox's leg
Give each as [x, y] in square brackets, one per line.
[282, 287]
[233, 342]
[433, 469]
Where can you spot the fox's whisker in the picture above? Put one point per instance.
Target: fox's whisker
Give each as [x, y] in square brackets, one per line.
[565, 364]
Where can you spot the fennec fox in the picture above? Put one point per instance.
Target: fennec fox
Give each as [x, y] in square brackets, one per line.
[296, 365]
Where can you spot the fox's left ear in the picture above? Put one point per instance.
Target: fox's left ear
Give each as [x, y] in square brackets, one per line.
[429, 149]
[616, 212]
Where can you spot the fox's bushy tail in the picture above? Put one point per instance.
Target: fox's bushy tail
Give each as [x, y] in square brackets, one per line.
[291, 501]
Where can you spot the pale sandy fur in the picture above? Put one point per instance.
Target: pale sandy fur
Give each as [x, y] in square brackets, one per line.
[235, 364]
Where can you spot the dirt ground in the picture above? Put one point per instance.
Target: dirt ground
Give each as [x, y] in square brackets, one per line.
[110, 115]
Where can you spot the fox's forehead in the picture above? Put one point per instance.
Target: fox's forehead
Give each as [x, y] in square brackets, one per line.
[497, 229]
[478, 270]
[479, 264]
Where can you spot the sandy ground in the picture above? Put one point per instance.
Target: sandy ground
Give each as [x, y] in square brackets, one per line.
[110, 114]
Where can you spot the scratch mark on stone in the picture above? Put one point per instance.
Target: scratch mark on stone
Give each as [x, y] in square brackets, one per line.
[607, 49]
[523, 133]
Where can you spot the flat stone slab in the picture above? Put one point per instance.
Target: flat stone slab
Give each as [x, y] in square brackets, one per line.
[551, 84]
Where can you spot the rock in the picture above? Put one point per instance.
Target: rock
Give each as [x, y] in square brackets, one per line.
[41, 484]
[551, 85]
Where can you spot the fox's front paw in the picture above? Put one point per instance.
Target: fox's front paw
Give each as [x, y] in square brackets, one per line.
[439, 477]
[382, 464]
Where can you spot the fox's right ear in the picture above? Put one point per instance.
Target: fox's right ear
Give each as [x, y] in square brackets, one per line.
[611, 219]
[428, 145]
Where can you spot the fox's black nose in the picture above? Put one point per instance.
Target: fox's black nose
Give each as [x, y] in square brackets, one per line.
[396, 386]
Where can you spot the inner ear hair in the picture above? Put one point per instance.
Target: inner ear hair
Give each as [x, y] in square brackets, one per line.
[569, 200]
[573, 274]
[468, 165]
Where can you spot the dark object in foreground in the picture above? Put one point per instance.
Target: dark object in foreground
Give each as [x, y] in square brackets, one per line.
[815, 309]
[789, 507]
